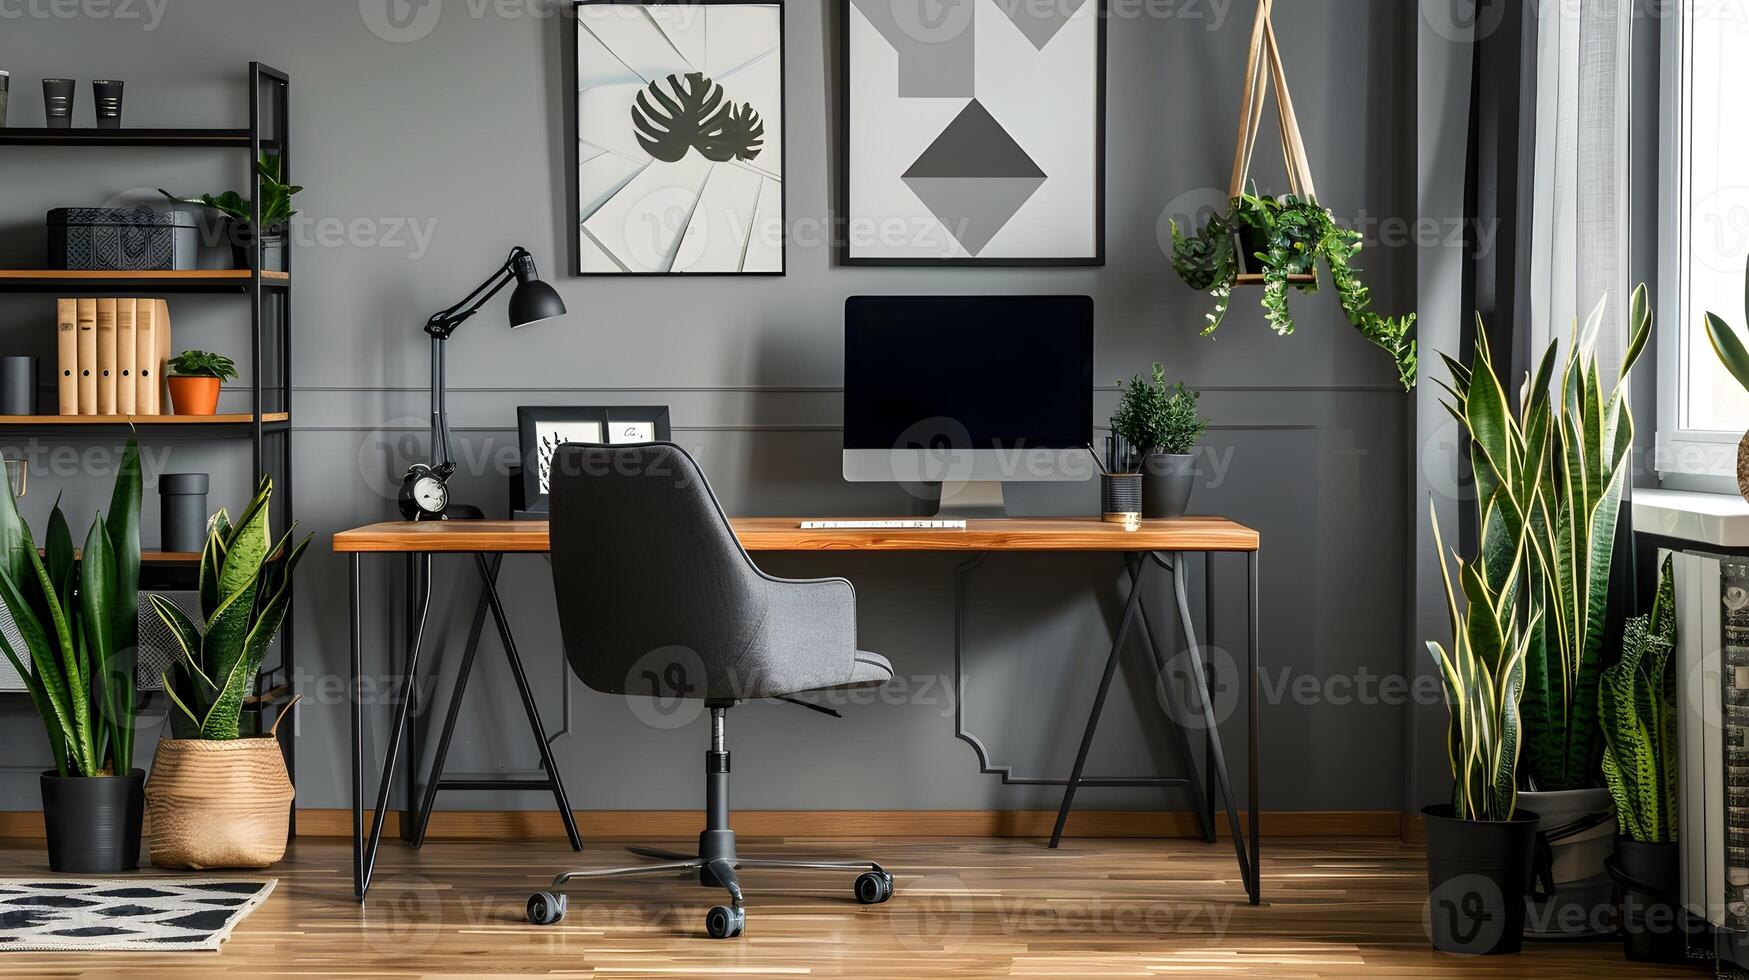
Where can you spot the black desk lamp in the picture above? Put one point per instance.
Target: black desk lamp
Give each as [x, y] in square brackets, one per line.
[425, 491]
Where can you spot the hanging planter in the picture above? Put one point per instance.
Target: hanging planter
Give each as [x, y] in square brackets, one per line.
[1277, 243]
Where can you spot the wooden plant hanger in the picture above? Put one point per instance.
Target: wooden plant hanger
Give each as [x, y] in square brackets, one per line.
[1265, 55]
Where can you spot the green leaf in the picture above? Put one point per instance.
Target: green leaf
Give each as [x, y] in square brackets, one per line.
[1729, 349]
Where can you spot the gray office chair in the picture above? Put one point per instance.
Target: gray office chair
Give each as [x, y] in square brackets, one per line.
[657, 599]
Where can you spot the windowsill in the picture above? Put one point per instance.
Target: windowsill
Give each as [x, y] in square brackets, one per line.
[1717, 519]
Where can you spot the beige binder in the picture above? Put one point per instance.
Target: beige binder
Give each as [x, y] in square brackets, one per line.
[87, 355]
[67, 355]
[106, 355]
[161, 357]
[125, 403]
[146, 382]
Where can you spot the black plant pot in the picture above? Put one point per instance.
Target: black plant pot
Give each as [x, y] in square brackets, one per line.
[1478, 872]
[93, 822]
[242, 238]
[1167, 481]
[1250, 242]
[1650, 916]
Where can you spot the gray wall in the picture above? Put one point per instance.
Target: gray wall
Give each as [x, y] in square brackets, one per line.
[462, 132]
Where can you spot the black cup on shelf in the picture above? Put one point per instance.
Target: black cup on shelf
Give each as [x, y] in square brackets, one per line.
[17, 385]
[182, 511]
[107, 93]
[58, 102]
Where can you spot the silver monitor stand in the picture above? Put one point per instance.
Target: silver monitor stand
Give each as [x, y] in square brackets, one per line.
[970, 499]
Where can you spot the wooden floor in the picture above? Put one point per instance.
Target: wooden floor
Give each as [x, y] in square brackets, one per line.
[1334, 908]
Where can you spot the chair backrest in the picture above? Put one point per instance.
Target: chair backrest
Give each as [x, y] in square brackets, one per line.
[653, 588]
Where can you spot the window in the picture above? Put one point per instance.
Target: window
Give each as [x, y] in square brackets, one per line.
[1704, 234]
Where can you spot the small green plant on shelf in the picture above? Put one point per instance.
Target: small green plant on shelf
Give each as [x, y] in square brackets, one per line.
[203, 364]
[1286, 237]
[276, 197]
[1156, 417]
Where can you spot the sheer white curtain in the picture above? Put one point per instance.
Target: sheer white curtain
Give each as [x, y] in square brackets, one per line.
[1579, 242]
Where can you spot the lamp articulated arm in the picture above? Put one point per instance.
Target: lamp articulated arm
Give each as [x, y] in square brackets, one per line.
[519, 266]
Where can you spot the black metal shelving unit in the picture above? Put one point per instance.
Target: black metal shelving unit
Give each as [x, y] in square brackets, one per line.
[267, 423]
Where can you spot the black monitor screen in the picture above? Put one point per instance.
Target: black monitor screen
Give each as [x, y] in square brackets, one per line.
[968, 372]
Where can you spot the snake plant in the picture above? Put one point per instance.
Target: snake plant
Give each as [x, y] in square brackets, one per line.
[1573, 542]
[76, 613]
[1637, 705]
[1729, 349]
[245, 585]
[1483, 670]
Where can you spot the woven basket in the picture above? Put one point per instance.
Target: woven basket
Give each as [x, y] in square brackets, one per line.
[218, 804]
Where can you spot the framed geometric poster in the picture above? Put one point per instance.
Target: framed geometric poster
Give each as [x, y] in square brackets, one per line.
[680, 128]
[973, 132]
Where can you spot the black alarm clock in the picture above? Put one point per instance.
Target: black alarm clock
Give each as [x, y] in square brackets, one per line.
[425, 492]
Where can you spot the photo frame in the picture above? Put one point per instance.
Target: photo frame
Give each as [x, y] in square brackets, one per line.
[541, 429]
[946, 159]
[679, 130]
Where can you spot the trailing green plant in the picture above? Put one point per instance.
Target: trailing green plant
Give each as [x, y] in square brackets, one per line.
[203, 364]
[1725, 344]
[1294, 234]
[276, 196]
[1483, 670]
[76, 613]
[245, 585]
[1636, 703]
[1157, 417]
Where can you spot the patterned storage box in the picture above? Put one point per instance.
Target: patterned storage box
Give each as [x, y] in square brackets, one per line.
[129, 239]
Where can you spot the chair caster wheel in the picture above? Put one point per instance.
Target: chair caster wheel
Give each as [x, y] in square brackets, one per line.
[725, 922]
[874, 887]
[545, 908]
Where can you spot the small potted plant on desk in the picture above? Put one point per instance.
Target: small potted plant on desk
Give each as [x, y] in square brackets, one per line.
[1479, 845]
[77, 616]
[220, 797]
[1160, 423]
[1636, 702]
[276, 215]
[195, 377]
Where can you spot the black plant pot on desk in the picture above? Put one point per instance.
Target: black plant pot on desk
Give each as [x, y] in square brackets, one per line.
[93, 822]
[1478, 872]
[1167, 481]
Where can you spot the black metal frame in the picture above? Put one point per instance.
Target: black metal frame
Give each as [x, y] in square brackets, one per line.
[415, 822]
[529, 417]
[783, 154]
[841, 247]
[1246, 840]
[270, 322]
[1216, 776]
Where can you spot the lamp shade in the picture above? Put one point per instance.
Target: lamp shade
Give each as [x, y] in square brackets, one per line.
[534, 300]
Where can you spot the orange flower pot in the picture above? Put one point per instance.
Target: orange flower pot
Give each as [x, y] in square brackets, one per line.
[194, 396]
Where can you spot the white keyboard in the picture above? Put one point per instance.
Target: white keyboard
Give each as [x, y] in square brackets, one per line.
[911, 525]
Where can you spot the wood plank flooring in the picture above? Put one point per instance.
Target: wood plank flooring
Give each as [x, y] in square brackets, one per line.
[979, 907]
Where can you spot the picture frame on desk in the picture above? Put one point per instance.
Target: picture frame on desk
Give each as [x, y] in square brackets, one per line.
[541, 429]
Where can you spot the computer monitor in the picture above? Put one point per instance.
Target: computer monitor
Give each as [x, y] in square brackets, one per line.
[968, 392]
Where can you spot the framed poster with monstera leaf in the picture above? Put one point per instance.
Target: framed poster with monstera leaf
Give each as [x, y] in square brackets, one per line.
[679, 138]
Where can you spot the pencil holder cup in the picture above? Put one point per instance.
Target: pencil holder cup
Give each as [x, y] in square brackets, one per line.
[1120, 497]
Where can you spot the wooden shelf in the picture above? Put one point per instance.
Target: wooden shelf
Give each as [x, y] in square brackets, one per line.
[242, 418]
[191, 281]
[88, 136]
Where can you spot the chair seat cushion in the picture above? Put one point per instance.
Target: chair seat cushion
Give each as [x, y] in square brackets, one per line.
[868, 670]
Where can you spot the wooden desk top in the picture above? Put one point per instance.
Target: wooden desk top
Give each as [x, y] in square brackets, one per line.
[785, 534]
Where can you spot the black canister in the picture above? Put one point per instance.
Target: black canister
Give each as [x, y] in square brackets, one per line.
[182, 510]
[17, 385]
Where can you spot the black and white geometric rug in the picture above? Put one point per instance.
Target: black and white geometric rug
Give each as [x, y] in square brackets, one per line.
[38, 914]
